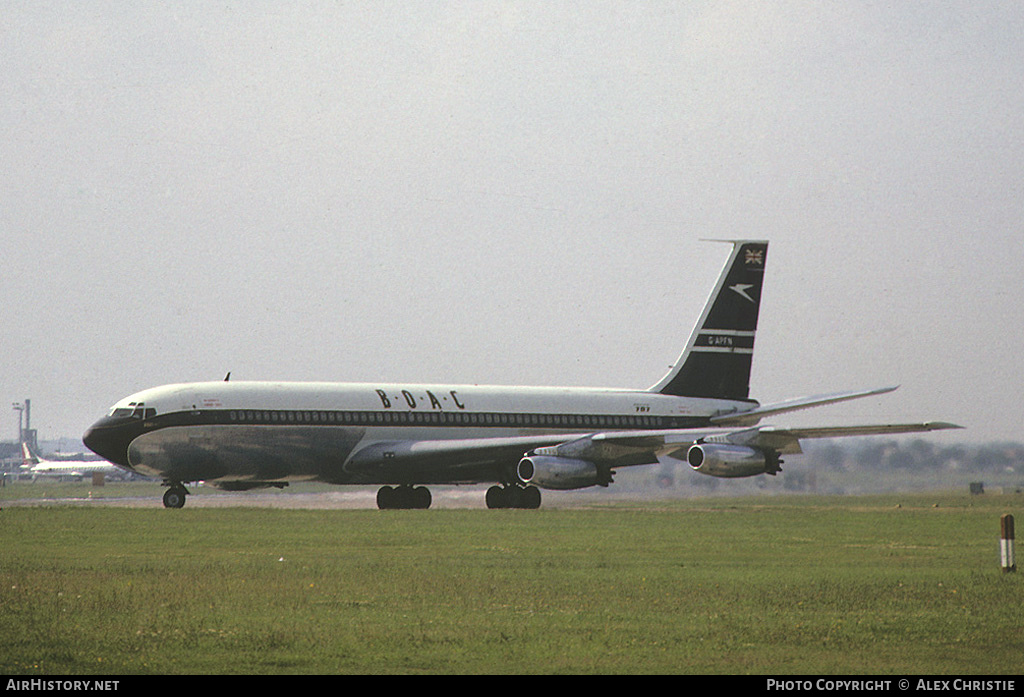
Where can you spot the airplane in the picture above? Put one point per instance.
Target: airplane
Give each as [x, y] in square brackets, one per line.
[37, 466]
[402, 437]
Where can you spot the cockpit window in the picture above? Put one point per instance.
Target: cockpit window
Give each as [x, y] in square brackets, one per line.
[135, 411]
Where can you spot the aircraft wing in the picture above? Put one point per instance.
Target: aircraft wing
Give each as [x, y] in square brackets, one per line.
[752, 416]
[424, 460]
[643, 447]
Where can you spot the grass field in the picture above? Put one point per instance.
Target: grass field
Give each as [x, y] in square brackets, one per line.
[897, 584]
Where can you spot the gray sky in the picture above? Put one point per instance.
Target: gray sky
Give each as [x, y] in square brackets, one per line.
[511, 193]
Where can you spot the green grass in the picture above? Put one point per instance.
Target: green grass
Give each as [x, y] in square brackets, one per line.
[783, 585]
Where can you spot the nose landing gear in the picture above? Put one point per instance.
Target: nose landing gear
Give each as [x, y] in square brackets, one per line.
[175, 496]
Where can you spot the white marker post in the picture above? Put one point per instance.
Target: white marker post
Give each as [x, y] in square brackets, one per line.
[1006, 543]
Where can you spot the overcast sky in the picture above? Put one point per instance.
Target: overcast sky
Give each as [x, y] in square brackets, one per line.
[511, 193]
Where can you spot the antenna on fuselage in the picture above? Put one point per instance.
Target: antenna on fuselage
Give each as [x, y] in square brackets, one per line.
[228, 376]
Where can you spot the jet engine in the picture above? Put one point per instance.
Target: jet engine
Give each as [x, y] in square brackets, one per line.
[732, 460]
[560, 472]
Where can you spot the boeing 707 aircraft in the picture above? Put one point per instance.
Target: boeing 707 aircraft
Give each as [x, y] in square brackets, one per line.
[246, 435]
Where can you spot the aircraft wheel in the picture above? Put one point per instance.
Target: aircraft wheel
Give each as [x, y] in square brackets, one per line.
[174, 498]
[403, 497]
[513, 497]
[421, 497]
[496, 498]
[530, 498]
[385, 498]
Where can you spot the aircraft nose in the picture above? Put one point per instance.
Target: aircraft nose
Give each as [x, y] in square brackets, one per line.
[92, 439]
[107, 441]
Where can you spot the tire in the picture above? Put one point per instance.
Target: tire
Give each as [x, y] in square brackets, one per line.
[421, 497]
[385, 498]
[496, 498]
[174, 498]
[530, 498]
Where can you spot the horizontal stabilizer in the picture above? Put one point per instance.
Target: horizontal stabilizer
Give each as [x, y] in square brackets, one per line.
[752, 416]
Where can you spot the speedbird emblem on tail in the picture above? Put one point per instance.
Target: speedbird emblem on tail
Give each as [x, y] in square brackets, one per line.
[243, 435]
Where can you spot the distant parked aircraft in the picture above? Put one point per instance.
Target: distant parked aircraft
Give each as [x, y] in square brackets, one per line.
[37, 466]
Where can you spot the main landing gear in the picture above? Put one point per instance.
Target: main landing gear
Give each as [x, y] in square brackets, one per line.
[513, 497]
[407, 497]
[175, 496]
[403, 497]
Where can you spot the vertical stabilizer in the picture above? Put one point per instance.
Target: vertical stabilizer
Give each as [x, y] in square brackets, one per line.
[28, 457]
[717, 359]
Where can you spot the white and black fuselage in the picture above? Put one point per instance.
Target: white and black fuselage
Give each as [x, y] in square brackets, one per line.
[255, 432]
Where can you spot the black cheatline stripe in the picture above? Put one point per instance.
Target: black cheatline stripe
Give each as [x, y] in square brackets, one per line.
[304, 417]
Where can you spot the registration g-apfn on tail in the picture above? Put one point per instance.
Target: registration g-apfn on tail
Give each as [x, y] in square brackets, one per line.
[405, 437]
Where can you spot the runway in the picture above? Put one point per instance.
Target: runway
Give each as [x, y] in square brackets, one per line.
[342, 499]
